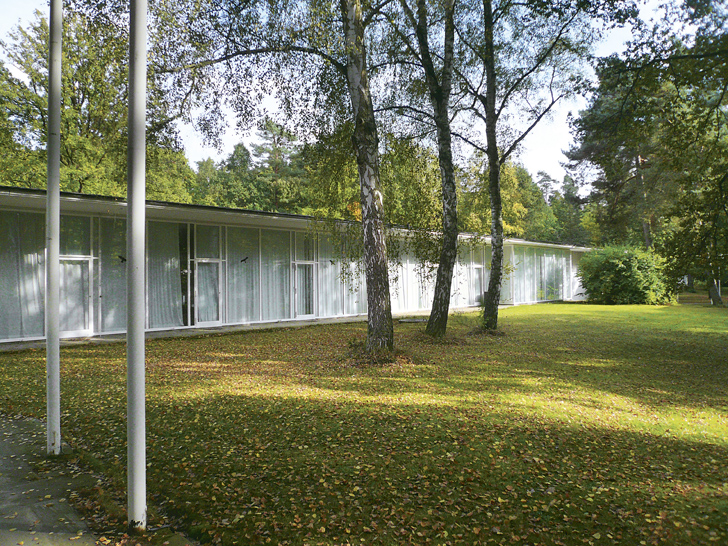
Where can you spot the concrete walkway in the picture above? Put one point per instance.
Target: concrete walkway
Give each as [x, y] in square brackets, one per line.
[34, 508]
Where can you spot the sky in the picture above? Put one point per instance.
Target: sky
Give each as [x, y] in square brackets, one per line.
[542, 150]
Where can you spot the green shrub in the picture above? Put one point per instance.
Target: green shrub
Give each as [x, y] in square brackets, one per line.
[619, 276]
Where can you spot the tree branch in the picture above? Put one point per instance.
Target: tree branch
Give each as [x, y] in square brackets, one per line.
[341, 67]
[536, 121]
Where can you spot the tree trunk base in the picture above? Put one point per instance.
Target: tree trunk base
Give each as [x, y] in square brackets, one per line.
[436, 327]
[380, 344]
[715, 298]
[490, 317]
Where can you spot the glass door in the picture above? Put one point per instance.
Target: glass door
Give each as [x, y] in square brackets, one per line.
[76, 259]
[208, 292]
[305, 290]
[304, 276]
[208, 275]
[75, 301]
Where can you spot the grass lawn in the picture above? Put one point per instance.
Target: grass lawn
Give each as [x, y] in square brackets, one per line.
[581, 425]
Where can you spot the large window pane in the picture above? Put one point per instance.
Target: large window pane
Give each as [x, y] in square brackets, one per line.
[305, 247]
[112, 255]
[275, 273]
[22, 274]
[304, 289]
[164, 284]
[329, 278]
[475, 293]
[74, 302]
[459, 289]
[396, 287]
[208, 242]
[243, 275]
[208, 292]
[531, 275]
[355, 299]
[518, 274]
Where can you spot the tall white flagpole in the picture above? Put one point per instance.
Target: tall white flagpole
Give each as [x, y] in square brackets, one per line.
[53, 228]
[136, 189]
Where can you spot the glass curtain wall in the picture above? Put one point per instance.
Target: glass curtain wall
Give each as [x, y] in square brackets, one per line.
[519, 284]
[460, 284]
[530, 275]
[22, 275]
[355, 291]
[397, 282]
[412, 286]
[540, 274]
[577, 290]
[477, 286]
[305, 274]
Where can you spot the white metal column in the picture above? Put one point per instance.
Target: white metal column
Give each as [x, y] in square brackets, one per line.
[135, 268]
[53, 229]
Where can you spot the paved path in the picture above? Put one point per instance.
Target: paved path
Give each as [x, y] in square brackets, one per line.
[34, 508]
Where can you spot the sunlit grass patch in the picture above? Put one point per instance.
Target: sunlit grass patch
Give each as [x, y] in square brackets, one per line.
[582, 424]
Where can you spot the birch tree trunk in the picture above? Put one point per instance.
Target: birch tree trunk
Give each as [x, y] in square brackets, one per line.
[440, 88]
[437, 323]
[715, 298]
[492, 297]
[380, 330]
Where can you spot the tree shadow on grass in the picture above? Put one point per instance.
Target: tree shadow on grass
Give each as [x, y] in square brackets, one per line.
[303, 469]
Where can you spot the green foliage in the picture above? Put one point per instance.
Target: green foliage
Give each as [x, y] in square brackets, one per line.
[280, 180]
[332, 168]
[568, 210]
[168, 175]
[93, 113]
[516, 187]
[620, 276]
[532, 211]
[581, 424]
[656, 129]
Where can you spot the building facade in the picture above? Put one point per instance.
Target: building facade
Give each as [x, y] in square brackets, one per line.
[208, 266]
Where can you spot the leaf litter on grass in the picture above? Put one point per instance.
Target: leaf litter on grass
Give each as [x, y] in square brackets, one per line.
[557, 433]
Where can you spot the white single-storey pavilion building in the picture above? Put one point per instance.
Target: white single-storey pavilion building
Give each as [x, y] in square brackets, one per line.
[209, 266]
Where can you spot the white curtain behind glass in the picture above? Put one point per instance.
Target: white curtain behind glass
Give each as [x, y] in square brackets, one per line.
[459, 288]
[577, 290]
[74, 296]
[355, 292]
[164, 285]
[208, 291]
[531, 275]
[112, 255]
[243, 275]
[329, 278]
[275, 274]
[412, 289]
[22, 250]
[396, 287]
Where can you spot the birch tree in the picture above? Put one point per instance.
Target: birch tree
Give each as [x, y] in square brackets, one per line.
[522, 59]
[380, 330]
[423, 23]
[311, 55]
